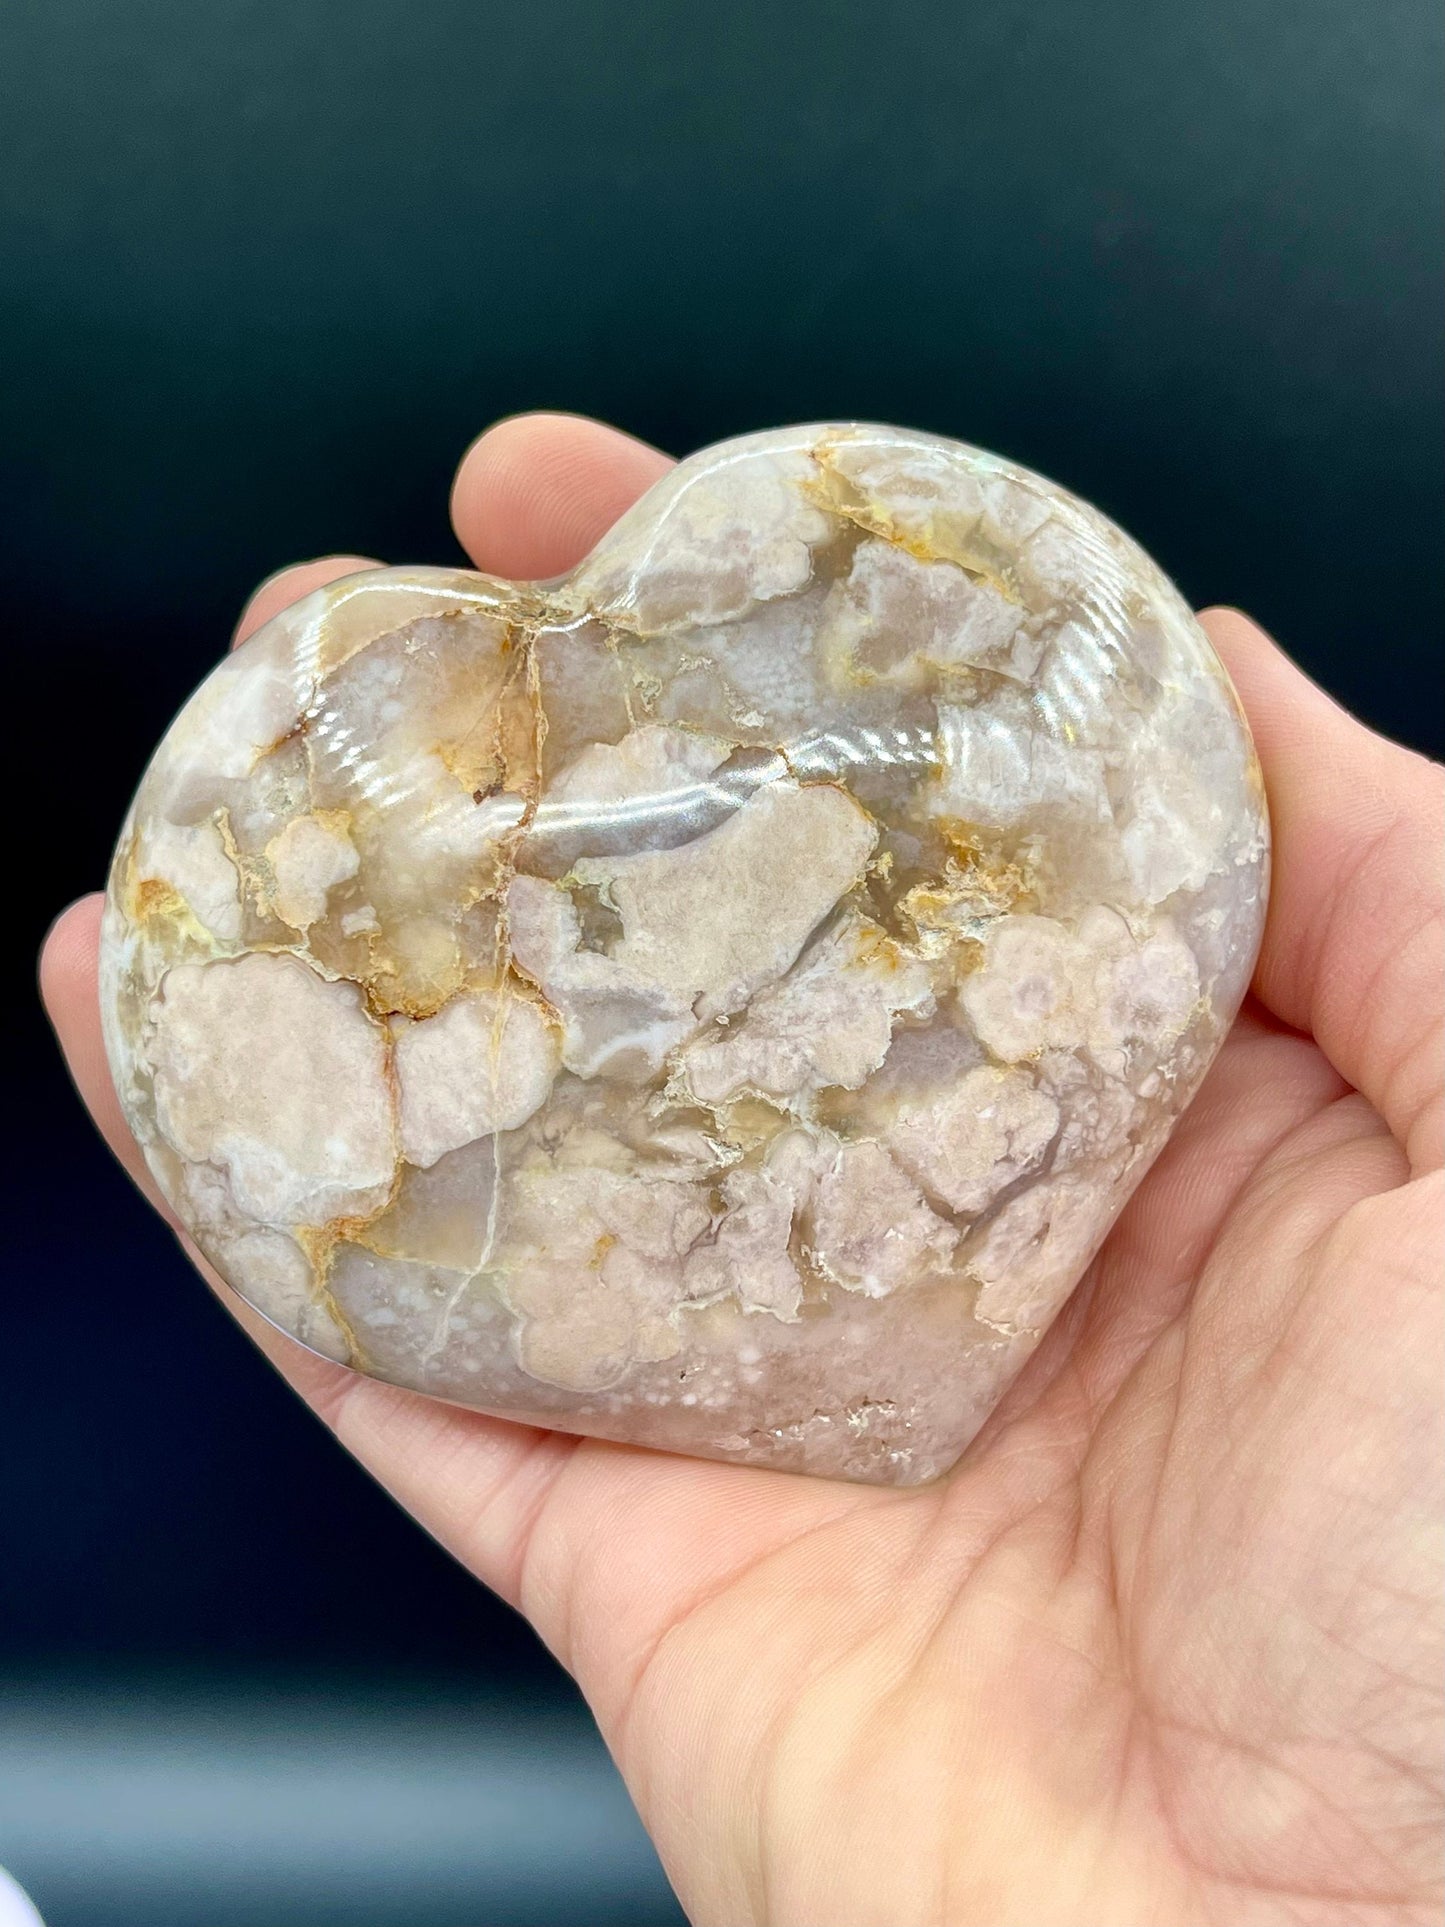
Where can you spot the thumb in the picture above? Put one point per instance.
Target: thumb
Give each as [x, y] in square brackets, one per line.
[1352, 945]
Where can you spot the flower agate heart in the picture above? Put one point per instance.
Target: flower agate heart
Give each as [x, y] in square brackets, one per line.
[720, 999]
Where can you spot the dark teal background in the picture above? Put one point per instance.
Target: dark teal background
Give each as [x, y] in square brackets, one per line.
[265, 269]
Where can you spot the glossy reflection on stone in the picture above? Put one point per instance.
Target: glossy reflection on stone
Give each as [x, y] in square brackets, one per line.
[718, 1000]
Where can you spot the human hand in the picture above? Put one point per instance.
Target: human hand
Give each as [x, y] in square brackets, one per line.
[1166, 1646]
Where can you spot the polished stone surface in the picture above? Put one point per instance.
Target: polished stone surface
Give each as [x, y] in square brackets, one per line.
[720, 999]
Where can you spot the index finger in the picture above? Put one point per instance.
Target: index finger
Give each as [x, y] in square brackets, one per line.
[535, 492]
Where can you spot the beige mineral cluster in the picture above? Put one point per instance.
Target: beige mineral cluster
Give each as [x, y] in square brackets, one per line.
[720, 999]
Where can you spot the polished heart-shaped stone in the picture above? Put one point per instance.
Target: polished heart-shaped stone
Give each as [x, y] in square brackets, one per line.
[720, 999]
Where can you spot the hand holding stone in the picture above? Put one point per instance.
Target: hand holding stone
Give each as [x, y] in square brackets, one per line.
[1164, 1647]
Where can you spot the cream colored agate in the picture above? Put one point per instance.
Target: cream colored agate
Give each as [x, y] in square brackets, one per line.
[718, 1000]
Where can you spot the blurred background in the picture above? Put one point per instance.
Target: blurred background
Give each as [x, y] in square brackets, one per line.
[265, 268]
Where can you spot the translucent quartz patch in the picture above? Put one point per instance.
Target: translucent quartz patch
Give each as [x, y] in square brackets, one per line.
[718, 1000]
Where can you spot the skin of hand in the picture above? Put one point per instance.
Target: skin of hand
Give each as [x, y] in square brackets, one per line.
[1166, 1646]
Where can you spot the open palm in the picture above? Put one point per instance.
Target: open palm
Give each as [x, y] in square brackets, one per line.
[1166, 1646]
